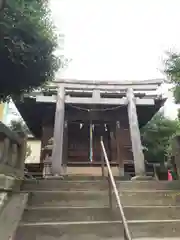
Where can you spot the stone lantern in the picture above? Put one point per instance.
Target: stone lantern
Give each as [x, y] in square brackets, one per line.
[47, 152]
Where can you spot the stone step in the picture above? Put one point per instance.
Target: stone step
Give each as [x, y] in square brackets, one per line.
[55, 214]
[96, 230]
[92, 198]
[98, 184]
[68, 198]
[151, 212]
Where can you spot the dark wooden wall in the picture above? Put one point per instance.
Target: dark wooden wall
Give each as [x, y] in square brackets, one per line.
[78, 142]
[117, 140]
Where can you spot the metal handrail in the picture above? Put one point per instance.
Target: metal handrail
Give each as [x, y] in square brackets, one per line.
[124, 221]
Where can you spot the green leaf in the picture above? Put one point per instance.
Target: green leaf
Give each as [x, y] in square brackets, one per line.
[28, 41]
[157, 138]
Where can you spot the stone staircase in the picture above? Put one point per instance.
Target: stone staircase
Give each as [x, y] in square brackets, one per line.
[78, 209]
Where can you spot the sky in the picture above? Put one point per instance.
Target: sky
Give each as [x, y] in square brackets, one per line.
[117, 39]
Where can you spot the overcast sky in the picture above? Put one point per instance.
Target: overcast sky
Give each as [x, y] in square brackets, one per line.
[118, 39]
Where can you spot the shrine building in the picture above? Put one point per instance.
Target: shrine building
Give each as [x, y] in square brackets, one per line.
[76, 114]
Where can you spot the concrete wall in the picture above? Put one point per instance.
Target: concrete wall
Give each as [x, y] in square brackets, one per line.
[35, 151]
[1, 111]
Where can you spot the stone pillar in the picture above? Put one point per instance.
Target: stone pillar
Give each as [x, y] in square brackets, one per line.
[57, 152]
[135, 135]
[6, 149]
[22, 155]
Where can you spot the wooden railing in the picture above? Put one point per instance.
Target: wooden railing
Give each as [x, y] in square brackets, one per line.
[12, 152]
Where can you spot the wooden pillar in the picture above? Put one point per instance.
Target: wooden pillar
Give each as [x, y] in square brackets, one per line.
[58, 132]
[113, 142]
[65, 148]
[135, 135]
[109, 144]
[119, 153]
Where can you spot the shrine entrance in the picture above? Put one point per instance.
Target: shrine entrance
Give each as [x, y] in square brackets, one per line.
[78, 142]
[84, 142]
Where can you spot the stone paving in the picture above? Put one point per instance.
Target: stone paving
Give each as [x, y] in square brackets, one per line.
[155, 239]
[89, 237]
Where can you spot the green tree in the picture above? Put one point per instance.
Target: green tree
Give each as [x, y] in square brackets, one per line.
[27, 46]
[157, 138]
[20, 127]
[172, 69]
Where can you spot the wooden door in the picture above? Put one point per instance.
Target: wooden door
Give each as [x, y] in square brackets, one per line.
[78, 142]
